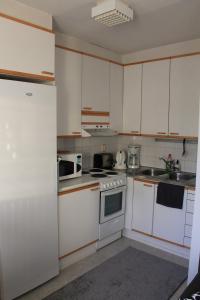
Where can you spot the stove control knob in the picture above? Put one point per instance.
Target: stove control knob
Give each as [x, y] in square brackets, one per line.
[121, 181]
[115, 183]
[111, 184]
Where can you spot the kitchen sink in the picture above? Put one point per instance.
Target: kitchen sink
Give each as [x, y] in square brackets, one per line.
[153, 172]
[178, 177]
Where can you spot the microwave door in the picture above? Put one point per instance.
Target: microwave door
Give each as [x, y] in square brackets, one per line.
[66, 168]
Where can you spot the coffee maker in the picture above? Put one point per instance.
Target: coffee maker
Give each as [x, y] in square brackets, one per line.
[133, 161]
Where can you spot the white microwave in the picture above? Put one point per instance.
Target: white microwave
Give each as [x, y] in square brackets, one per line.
[69, 166]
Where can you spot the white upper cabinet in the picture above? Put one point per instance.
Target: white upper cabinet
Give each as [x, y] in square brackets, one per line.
[184, 96]
[68, 81]
[132, 99]
[116, 97]
[26, 50]
[95, 84]
[143, 204]
[155, 98]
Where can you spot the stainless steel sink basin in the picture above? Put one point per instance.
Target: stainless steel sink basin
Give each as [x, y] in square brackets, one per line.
[153, 172]
[178, 176]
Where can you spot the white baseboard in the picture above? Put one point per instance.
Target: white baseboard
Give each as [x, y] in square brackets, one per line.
[153, 242]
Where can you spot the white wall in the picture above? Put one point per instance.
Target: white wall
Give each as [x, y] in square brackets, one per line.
[26, 13]
[164, 51]
[80, 45]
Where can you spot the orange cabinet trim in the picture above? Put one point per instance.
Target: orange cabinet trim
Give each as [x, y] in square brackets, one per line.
[95, 123]
[69, 136]
[160, 239]
[26, 75]
[84, 187]
[95, 113]
[25, 22]
[89, 54]
[81, 248]
[145, 180]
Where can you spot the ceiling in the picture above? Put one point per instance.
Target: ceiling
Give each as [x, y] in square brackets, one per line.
[157, 23]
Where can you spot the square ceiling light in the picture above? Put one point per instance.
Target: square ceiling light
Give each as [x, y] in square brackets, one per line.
[112, 12]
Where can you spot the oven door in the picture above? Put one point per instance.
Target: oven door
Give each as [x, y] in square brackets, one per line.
[112, 204]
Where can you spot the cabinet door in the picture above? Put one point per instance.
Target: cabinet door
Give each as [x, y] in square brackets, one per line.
[132, 98]
[184, 96]
[168, 223]
[129, 203]
[78, 219]
[68, 81]
[116, 97]
[95, 84]
[26, 49]
[155, 98]
[143, 202]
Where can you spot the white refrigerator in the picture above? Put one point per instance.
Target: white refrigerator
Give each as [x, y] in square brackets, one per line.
[28, 187]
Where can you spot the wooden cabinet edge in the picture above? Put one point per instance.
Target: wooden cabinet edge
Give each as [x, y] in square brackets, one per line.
[69, 136]
[18, 74]
[144, 180]
[160, 239]
[95, 113]
[27, 23]
[78, 249]
[80, 188]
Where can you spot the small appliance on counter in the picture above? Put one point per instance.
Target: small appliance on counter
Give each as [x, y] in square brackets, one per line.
[103, 160]
[133, 161]
[120, 160]
[69, 166]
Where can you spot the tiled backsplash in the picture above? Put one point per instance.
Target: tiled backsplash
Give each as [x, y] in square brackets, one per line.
[151, 150]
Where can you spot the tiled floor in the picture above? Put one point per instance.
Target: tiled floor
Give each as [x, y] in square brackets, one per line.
[96, 259]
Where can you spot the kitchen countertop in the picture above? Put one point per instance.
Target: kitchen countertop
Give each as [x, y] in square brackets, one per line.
[189, 184]
[76, 183]
[86, 179]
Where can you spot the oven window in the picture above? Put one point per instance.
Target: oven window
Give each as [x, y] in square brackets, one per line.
[113, 204]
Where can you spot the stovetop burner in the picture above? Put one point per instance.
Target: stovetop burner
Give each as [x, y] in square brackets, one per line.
[111, 173]
[96, 170]
[99, 175]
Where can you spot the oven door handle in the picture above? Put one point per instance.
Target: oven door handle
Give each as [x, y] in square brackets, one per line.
[114, 191]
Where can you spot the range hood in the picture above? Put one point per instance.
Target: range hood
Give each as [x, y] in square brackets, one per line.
[87, 132]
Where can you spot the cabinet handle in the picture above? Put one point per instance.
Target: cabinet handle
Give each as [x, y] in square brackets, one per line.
[76, 132]
[47, 73]
[147, 185]
[95, 189]
[87, 108]
[161, 132]
[174, 133]
[134, 131]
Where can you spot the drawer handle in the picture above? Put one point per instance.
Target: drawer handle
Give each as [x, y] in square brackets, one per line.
[76, 132]
[47, 73]
[95, 189]
[147, 185]
[174, 133]
[160, 132]
[134, 131]
[87, 108]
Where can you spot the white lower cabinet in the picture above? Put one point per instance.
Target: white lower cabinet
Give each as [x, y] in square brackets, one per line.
[168, 223]
[143, 204]
[78, 219]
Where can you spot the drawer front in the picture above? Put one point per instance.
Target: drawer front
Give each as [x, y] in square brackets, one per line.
[190, 196]
[190, 206]
[189, 219]
[111, 227]
[187, 242]
[188, 231]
